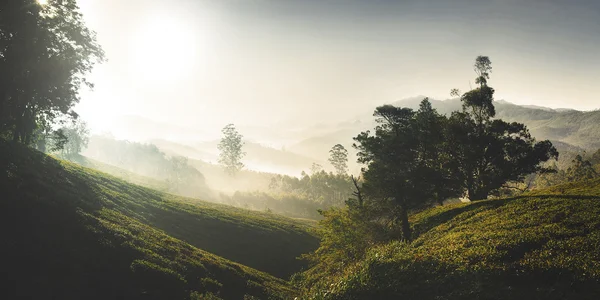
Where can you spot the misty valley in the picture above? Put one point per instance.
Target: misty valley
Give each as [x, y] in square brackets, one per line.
[258, 150]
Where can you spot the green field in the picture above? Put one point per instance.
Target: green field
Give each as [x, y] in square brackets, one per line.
[544, 245]
[69, 232]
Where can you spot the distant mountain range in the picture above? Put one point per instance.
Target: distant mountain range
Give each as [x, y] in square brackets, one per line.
[568, 128]
[571, 131]
[577, 128]
[258, 157]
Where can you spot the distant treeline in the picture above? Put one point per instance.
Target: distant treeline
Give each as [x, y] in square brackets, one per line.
[148, 160]
[297, 197]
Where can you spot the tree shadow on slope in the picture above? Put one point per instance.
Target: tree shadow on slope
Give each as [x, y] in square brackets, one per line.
[235, 236]
[57, 244]
[427, 223]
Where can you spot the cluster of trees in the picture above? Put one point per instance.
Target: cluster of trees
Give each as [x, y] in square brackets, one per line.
[45, 53]
[288, 195]
[416, 159]
[582, 167]
[302, 196]
[320, 187]
[68, 141]
[148, 160]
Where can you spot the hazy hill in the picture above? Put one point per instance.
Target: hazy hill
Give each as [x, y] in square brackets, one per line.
[264, 158]
[73, 233]
[539, 246]
[153, 183]
[258, 157]
[174, 148]
[312, 142]
[576, 128]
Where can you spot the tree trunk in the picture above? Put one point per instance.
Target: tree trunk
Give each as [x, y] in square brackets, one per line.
[478, 194]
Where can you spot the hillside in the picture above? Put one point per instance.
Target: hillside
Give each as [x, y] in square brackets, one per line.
[578, 128]
[261, 158]
[574, 129]
[73, 233]
[156, 184]
[258, 157]
[539, 246]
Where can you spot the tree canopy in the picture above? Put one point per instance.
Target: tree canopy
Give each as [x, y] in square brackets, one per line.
[230, 148]
[406, 165]
[491, 152]
[46, 51]
[338, 157]
[417, 158]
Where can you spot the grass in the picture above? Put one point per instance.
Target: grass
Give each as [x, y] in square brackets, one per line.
[544, 245]
[149, 182]
[69, 232]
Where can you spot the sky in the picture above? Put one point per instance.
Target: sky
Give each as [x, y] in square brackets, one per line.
[286, 64]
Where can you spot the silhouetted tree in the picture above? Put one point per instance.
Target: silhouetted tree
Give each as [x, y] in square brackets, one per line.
[56, 140]
[404, 161]
[338, 157]
[230, 148]
[45, 53]
[491, 152]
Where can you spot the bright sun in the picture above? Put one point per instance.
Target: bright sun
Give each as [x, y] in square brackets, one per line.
[164, 49]
[42, 2]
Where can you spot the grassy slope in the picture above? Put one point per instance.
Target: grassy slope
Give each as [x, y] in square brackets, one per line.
[128, 176]
[72, 233]
[268, 242]
[159, 185]
[541, 246]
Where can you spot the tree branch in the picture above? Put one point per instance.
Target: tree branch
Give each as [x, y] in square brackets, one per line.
[357, 193]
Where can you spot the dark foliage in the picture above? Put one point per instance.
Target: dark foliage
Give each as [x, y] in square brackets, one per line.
[73, 233]
[45, 53]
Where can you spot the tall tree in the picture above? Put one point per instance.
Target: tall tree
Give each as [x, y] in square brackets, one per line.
[46, 51]
[338, 157]
[230, 148]
[491, 152]
[404, 162]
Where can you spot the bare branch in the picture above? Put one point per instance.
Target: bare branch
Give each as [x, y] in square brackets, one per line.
[357, 193]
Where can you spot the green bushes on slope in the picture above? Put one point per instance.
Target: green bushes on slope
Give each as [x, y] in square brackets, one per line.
[72, 233]
[527, 248]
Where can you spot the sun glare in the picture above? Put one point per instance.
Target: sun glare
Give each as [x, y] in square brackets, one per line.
[164, 49]
[42, 2]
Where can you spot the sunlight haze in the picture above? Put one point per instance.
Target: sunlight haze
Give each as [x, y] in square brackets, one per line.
[293, 63]
[300, 149]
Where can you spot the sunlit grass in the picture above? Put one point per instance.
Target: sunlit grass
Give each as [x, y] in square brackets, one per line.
[542, 246]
